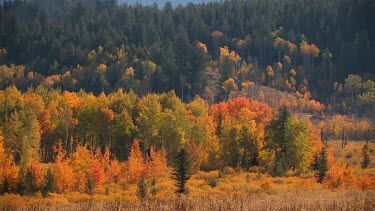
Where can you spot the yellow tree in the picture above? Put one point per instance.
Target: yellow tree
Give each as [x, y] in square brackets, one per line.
[229, 86]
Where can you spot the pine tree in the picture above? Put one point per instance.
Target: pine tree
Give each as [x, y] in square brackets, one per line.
[181, 171]
[90, 186]
[49, 183]
[322, 166]
[366, 157]
[30, 181]
[142, 188]
[5, 186]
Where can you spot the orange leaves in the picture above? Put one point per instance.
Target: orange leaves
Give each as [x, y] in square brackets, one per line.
[202, 46]
[270, 71]
[234, 109]
[63, 173]
[312, 49]
[136, 165]
[153, 167]
[157, 164]
[97, 173]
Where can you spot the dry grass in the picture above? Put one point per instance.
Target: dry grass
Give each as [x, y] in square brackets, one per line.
[324, 200]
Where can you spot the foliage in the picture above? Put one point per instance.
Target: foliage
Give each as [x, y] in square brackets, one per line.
[181, 171]
[289, 141]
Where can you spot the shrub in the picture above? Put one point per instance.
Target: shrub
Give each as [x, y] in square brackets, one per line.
[212, 181]
[228, 170]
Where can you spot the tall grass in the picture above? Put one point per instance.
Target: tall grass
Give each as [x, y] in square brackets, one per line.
[322, 200]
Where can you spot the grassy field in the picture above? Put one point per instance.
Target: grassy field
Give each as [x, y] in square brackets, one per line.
[229, 190]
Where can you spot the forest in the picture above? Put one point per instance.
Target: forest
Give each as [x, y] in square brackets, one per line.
[104, 100]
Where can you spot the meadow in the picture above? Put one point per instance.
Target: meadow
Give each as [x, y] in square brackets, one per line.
[230, 189]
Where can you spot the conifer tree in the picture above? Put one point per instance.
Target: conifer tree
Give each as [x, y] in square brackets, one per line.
[321, 165]
[181, 171]
[142, 188]
[49, 183]
[366, 157]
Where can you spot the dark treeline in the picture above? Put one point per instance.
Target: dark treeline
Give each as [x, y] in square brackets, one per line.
[102, 46]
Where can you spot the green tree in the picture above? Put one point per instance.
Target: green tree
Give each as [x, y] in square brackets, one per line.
[366, 157]
[48, 183]
[30, 182]
[142, 188]
[320, 165]
[289, 142]
[353, 84]
[181, 171]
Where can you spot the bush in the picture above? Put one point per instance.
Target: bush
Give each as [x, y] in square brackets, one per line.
[349, 155]
[228, 170]
[212, 181]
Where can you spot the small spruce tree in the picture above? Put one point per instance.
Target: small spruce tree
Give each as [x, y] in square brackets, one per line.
[142, 188]
[366, 157]
[90, 186]
[321, 165]
[181, 171]
[30, 182]
[49, 183]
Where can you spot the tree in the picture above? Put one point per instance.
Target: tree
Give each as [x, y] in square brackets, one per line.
[135, 163]
[181, 171]
[49, 183]
[142, 188]
[320, 165]
[289, 142]
[366, 157]
[353, 84]
[30, 182]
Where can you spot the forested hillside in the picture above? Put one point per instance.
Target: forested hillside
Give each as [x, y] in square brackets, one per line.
[101, 46]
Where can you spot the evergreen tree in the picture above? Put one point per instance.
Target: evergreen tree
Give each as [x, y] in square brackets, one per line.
[90, 186]
[366, 157]
[288, 139]
[5, 186]
[181, 171]
[49, 183]
[142, 188]
[321, 165]
[30, 182]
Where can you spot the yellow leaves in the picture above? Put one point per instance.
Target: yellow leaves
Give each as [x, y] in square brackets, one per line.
[202, 46]
[293, 72]
[270, 71]
[101, 68]
[279, 65]
[312, 49]
[229, 85]
[91, 55]
[129, 72]
[244, 43]
[217, 34]
[231, 55]
[149, 67]
[247, 84]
